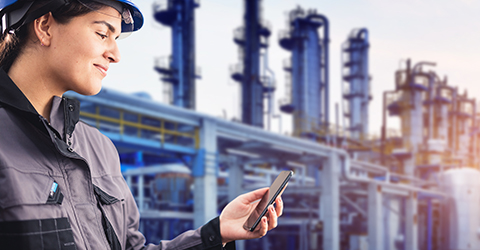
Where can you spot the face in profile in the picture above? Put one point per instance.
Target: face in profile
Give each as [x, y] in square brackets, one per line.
[81, 51]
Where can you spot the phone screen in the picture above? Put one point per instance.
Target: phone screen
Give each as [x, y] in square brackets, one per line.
[267, 199]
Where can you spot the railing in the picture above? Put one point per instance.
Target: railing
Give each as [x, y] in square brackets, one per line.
[445, 93]
[168, 92]
[239, 34]
[284, 34]
[267, 82]
[287, 63]
[130, 124]
[198, 71]
[162, 5]
[163, 62]
[266, 24]
[236, 68]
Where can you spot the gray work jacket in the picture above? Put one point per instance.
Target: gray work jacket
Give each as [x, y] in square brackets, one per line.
[61, 185]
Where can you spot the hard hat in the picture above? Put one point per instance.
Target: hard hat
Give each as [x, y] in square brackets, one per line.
[14, 12]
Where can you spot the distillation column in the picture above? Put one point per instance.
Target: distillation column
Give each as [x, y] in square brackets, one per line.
[410, 86]
[307, 101]
[178, 70]
[251, 38]
[356, 82]
[308, 70]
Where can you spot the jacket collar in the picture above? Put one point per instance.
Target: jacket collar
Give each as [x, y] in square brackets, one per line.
[64, 114]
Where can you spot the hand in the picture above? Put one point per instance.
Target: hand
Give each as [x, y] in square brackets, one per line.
[236, 213]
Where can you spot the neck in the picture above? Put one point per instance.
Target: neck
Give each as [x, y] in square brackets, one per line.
[30, 78]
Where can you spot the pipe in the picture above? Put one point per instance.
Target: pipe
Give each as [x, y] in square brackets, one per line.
[271, 95]
[342, 93]
[369, 166]
[431, 83]
[326, 40]
[345, 170]
[336, 126]
[429, 224]
[454, 120]
[325, 68]
[384, 126]
[366, 99]
[474, 136]
[420, 64]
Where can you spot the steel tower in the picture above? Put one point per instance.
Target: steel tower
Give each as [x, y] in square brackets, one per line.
[308, 70]
[356, 82]
[179, 70]
[252, 38]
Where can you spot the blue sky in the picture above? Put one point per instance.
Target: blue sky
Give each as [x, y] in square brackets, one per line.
[443, 31]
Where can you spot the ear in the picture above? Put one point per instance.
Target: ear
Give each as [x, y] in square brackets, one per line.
[42, 27]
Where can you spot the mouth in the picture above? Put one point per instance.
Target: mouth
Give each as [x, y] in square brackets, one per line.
[103, 69]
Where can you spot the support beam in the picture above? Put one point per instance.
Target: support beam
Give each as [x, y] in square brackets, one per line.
[235, 178]
[141, 195]
[411, 226]
[375, 222]
[330, 202]
[205, 175]
[235, 186]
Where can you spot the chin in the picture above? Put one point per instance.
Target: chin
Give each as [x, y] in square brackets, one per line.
[93, 90]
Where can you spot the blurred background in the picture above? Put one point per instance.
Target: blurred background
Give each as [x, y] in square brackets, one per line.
[372, 104]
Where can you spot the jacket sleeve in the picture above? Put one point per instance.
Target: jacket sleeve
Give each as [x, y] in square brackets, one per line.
[205, 237]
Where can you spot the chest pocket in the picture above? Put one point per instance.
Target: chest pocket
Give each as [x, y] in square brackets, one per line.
[20, 188]
[31, 216]
[107, 202]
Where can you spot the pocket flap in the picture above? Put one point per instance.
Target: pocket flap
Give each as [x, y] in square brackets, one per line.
[18, 188]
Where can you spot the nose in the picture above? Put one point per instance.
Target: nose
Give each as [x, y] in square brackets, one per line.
[112, 53]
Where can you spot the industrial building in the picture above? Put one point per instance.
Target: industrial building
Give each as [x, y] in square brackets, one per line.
[417, 189]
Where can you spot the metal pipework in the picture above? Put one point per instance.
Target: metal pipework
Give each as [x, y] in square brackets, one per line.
[346, 173]
[326, 40]
[384, 125]
[420, 64]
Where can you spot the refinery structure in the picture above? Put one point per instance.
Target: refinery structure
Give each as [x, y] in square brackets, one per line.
[415, 190]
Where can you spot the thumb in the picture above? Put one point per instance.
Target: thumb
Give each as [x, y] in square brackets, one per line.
[254, 195]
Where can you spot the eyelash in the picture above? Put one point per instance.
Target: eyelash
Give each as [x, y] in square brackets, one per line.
[102, 35]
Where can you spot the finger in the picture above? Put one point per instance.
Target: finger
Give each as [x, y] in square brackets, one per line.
[283, 189]
[272, 218]
[279, 206]
[263, 227]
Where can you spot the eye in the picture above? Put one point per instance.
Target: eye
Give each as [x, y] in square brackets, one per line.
[102, 35]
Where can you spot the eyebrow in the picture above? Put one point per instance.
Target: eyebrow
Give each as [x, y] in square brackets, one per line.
[110, 27]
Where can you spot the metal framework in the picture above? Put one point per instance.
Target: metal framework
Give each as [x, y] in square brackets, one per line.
[233, 158]
[178, 70]
[252, 38]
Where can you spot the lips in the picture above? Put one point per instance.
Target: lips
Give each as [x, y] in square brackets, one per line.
[103, 69]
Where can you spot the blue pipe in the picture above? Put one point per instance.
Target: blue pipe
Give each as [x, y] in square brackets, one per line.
[429, 225]
[326, 40]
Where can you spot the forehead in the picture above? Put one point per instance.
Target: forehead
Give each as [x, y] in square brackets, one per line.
[105, 14]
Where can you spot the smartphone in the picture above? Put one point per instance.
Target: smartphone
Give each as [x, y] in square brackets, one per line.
[267, 200]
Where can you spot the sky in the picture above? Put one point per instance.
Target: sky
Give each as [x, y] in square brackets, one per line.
[446, 32]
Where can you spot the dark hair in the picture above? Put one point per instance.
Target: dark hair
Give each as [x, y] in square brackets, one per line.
[11, 44]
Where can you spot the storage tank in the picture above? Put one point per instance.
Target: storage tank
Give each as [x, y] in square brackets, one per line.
[461, 209]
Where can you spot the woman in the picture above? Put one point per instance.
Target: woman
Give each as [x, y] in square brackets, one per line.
[60, 179]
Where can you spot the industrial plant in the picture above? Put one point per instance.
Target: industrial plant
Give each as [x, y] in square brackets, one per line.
[418, 189]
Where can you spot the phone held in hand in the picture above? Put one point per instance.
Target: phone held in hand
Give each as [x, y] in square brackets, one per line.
[267, 200]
